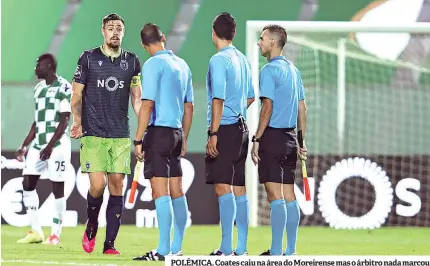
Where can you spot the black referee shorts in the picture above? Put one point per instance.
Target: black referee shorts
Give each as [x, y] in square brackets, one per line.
[162, 147]
[229, 166]
[278, 154]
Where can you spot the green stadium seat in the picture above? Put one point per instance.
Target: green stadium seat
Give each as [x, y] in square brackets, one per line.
[27, 29]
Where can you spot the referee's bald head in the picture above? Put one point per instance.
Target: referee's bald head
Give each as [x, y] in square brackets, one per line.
[277, 33]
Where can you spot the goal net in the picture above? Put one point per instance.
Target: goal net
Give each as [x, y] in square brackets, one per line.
[368, 127]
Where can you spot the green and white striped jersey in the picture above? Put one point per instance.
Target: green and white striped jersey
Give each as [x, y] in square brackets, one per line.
[50, 101]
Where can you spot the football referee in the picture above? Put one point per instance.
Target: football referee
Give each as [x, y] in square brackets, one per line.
[275, 146]
[230, 92]
[165, 115]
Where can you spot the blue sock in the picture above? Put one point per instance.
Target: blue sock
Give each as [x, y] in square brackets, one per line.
[180, 210]
[242, 222]
[227, 213]
[293, 220]
[278, 218]
[163, 206]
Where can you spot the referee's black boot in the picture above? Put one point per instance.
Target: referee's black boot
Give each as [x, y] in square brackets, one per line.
[218, 252]
[152, 255]
[244, 254]
[266, 253]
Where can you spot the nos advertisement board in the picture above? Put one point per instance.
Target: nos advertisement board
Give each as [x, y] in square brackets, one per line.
[356, 192]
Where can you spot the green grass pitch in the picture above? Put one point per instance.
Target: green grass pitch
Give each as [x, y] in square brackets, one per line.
[201, 240]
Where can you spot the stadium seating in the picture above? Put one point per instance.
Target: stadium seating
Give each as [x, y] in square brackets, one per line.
[199, 37]
[22, 28]
[85, 31]
[200, 33]
[27, 28]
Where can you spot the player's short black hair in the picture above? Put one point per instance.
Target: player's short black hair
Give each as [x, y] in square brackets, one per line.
[150, 34]
[113, 16]
[224, 26]
[279, 32]
[50, 58]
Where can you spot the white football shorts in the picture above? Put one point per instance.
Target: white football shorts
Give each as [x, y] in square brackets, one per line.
[55, 167]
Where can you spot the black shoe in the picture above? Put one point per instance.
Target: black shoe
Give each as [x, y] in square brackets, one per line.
[218, 252]
[266, 253]
[151, 255]
[235, 254]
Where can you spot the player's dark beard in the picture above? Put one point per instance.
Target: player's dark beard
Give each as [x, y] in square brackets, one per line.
[113, 46]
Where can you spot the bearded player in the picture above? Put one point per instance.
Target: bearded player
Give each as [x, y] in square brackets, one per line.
[104, 79]
[50, 149]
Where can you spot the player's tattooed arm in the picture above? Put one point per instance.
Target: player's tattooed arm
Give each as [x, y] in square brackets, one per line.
[80, 78]
[136, 87]
[77, 102]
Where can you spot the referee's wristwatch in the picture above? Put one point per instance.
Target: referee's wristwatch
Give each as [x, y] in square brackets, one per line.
[137, 142]
[210, 133]
[254, 139]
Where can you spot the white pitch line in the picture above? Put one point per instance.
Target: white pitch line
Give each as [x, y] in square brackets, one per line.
[55, 263]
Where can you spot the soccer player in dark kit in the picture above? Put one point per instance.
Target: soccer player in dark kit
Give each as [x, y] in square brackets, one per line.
[104, 79]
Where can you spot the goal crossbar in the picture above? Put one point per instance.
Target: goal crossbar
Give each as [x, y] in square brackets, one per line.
[344, 26]
[253, 29]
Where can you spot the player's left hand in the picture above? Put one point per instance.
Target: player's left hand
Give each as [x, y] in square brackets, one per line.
[76, 131]
[254, 153]
[140, 154]
[46, 153]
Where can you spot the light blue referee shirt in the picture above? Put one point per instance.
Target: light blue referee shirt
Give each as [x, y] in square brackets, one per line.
[281, 82]
[229, 78]
[166, 80]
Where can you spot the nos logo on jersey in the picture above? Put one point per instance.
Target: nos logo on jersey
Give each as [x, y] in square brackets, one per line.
[111, 84]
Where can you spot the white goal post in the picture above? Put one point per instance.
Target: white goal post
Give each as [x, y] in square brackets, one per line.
[253, 30]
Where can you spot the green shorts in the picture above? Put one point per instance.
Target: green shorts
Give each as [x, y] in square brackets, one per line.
[110, 155]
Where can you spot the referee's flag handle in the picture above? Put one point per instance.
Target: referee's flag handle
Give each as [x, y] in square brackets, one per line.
[304, 171]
